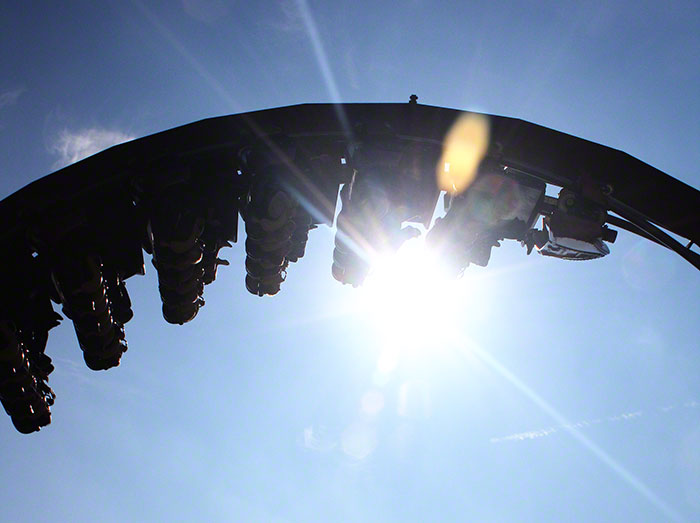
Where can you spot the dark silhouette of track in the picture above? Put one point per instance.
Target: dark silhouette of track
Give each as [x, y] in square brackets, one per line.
[75, 236]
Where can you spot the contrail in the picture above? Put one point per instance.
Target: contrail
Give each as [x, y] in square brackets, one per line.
[538, 433]
[598, 452]
[626, 416]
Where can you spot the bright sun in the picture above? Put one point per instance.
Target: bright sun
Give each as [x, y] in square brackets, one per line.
[412, 304]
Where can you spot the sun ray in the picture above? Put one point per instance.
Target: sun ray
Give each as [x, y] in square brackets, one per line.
[322, 59]
[471, 347]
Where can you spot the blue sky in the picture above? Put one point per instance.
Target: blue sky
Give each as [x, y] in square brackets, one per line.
[569, 391]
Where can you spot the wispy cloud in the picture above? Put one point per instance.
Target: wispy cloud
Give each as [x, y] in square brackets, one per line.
[287, 18]
[76, 370]
[357, 442]
[10, 97]
[318, 440]
[73, 146]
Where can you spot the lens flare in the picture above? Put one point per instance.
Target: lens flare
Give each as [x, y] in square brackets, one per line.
[465, 145]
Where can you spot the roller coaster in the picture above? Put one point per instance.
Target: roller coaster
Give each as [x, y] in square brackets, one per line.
[75, 236]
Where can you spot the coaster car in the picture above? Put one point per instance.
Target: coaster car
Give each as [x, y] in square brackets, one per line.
[75, 236]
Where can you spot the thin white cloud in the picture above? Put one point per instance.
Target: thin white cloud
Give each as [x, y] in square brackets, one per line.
[10, 97]
[359, 440]
[287, 18]
[73, 146]
[77, 372]
[317, 440]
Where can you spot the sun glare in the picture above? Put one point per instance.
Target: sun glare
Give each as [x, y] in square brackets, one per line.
[411, 303]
